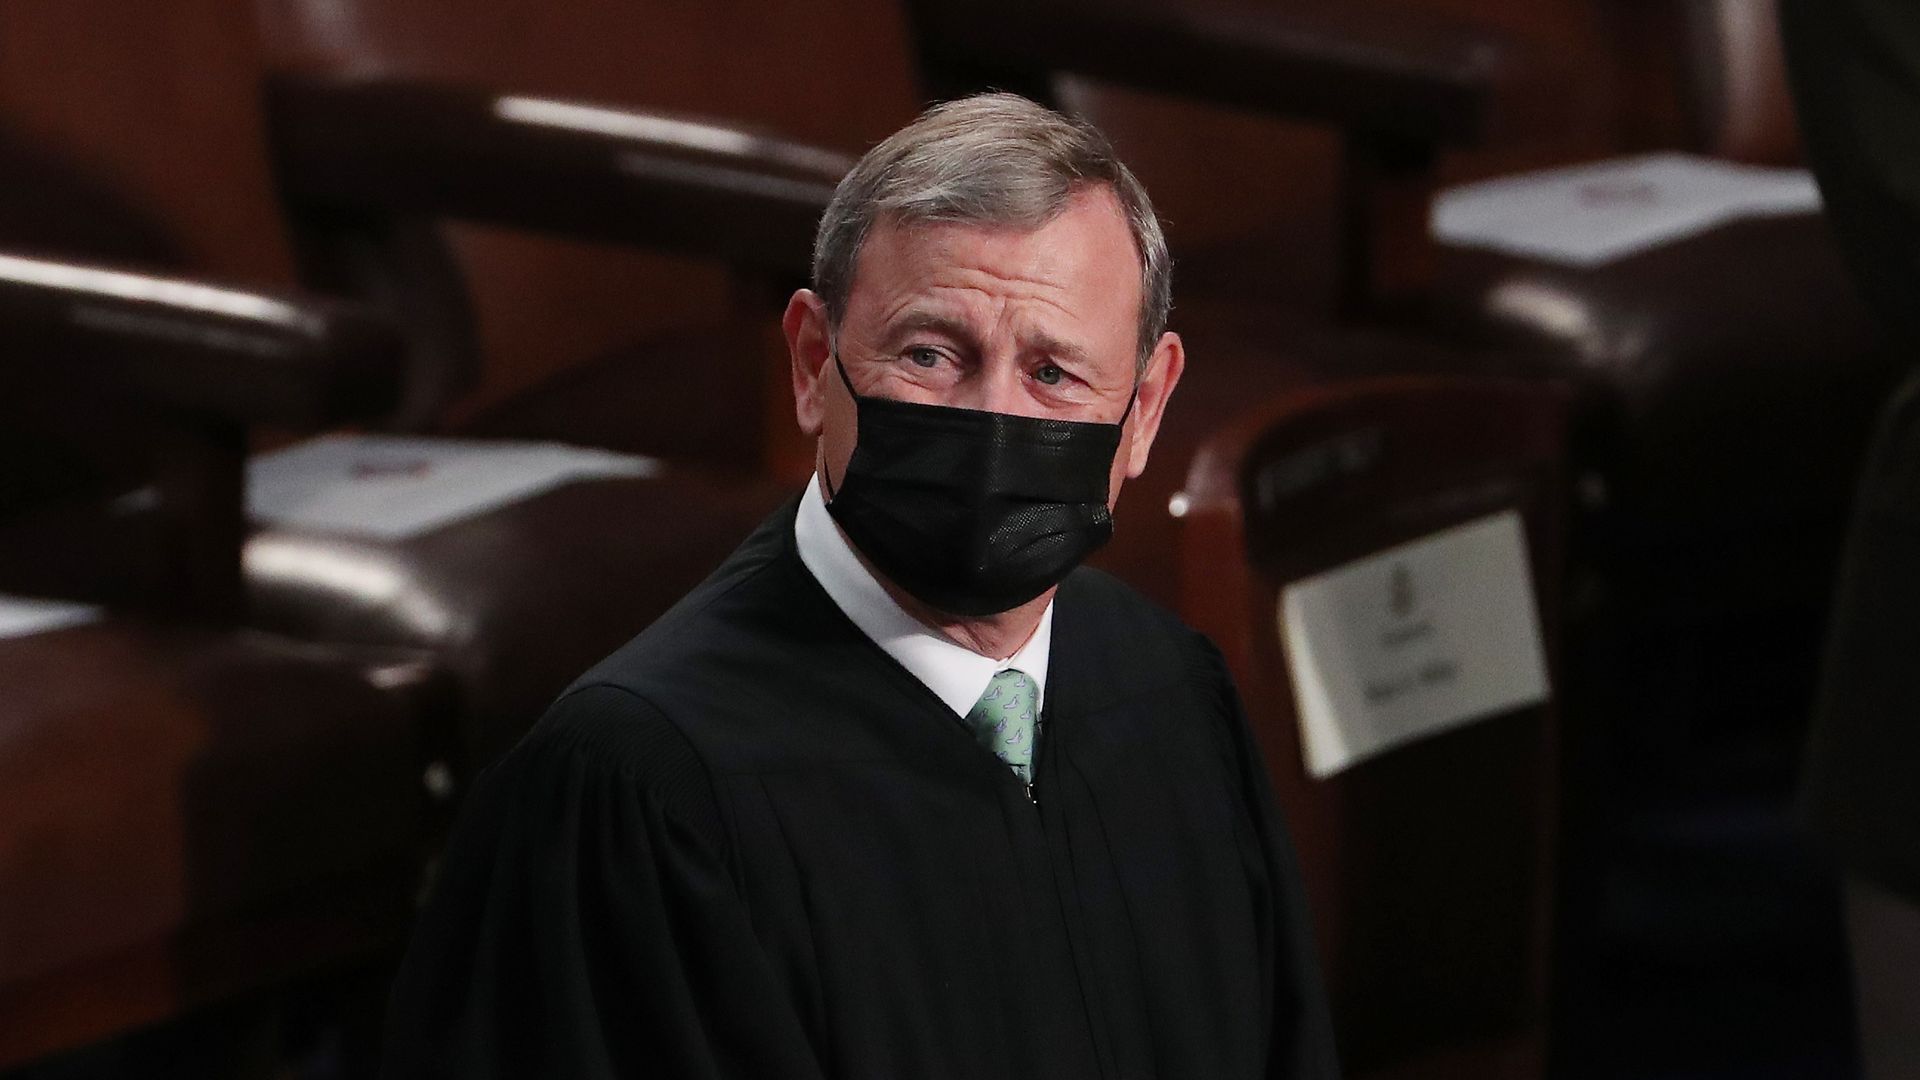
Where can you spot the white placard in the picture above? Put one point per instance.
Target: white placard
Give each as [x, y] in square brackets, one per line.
[1587, 215]
[1413, 641]
[391, 487]
[20, 616]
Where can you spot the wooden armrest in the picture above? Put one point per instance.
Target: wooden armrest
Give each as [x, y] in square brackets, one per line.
[239, 355]
[1362, 69]
[391, 146]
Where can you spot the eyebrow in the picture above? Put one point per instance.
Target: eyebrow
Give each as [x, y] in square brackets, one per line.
[1040, 340]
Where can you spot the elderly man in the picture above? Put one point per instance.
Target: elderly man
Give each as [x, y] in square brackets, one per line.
[900, 792]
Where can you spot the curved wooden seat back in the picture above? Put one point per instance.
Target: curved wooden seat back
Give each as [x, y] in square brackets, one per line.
[1429, 866]
[524, 266]
[1736, 82]
[195, 816]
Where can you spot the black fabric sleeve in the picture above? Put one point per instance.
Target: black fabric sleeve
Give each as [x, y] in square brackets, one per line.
[586, 923]
[1855, 71]
[1855, 67]
[1302, 1044]
[1858, 787]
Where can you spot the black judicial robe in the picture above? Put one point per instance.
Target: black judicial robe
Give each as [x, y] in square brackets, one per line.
[1856, 81]
[750, 844]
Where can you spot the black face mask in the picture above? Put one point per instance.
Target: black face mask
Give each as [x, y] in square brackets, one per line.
[972, 512]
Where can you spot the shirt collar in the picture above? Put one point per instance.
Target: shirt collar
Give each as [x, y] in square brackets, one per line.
[956, 674]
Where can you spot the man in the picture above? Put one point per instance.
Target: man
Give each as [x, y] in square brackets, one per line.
[899, 792]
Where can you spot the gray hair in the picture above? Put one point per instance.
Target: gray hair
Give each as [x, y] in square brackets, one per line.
[990, 159]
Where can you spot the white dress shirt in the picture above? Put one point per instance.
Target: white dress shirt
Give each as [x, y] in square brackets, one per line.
[956, 674]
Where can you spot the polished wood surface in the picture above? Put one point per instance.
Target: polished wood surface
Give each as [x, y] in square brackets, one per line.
[209, 348]
[602, 171]
[141, 388]
[192, 814]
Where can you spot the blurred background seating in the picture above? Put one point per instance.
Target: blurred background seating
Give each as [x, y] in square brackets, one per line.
[1429, 868]
[581, 220]
[196, 813]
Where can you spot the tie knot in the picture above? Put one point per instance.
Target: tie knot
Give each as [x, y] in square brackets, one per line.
[1003, 720]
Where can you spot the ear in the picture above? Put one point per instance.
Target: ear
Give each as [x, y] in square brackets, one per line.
[1164, 367]
[810, 347]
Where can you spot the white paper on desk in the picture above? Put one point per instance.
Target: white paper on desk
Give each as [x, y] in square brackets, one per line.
[21, 616]
[1587, 215]
[1413, 641]
[391, 487]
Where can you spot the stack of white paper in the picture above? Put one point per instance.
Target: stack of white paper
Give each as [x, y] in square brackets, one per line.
[391, 487]
[1587, 215]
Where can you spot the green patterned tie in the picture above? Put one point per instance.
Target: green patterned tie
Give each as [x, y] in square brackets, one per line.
[1003, 721]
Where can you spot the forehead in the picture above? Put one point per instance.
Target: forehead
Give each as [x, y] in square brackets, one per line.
[1081, 268]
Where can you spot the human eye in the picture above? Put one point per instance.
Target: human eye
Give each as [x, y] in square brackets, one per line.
[1058, 379]
[924, 356]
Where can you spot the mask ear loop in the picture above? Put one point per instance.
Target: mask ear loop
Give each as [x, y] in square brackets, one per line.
[826, 478]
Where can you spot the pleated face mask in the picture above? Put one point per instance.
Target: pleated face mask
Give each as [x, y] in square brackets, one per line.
[973, 512]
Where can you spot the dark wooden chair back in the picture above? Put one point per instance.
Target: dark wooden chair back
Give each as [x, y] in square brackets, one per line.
[197, 819]
[535, 203]
[1736, 81]
[1429, 866]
